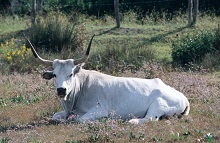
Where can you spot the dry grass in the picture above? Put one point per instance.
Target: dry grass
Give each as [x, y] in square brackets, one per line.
[22, 119]
[26, 101]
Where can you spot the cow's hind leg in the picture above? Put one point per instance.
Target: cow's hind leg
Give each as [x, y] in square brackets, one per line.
[155, 111]
[140, 120]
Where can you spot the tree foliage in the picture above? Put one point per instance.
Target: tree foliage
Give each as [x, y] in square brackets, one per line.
[101, 7]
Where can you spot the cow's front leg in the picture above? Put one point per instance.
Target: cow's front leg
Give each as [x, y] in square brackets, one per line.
[60, 116]
[91, 115]
[73, 118]
[94, 114]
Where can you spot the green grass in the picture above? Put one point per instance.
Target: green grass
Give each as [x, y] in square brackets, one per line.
[153, 35]
[27, 100]
[158, 36]
[10, 24]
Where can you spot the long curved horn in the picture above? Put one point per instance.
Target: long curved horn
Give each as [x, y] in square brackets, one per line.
[84, 59]
[36, 54]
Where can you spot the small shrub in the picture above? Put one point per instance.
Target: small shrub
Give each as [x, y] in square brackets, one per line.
[94, 138]
[105, 20]
[216, 43]
[2, 103]
[192, 49]
[16, 58]
[17, 99]
[157, 139]
[57, 32]
[116, 57]
[175, 137]
[139, 137]
[211, 61]
[5, 140]
[130, 17]
[131, 136]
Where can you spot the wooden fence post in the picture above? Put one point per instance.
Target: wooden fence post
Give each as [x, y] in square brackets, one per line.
[116, 6]
[193, 8]
[33, 12]
[190, 7]
[195, 11]
[40, 7]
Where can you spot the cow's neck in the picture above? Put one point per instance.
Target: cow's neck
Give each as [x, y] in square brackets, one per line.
[69, 105]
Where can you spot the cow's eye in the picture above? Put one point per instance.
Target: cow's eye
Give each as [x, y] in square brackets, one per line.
[71, 75]
[54, 75]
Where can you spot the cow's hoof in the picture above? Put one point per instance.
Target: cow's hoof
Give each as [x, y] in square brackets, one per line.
[71, 117]
[55, 122]
[134, 121]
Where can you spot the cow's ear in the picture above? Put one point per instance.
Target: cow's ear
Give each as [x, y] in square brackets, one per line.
[48, 75]
[77, 69]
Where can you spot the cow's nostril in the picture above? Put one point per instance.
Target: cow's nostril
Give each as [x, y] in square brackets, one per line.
[61, 91]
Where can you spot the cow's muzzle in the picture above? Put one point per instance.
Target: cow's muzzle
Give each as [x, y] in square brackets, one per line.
[61, 92]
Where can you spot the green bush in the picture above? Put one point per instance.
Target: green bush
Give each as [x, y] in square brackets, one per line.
[15, 58]
[57, 32]
[119, 55]
[212, 60]
[192, 49]
[216, 43]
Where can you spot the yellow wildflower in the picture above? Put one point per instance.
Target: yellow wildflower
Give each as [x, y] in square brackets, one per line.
[12, 41]
[6, 43]
[24, 47]
[13, 53]
[29, 50]
[19, 52]
[9, 58]
[2, 45]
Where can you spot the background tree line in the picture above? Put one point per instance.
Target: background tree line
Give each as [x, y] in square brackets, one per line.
[102, 7]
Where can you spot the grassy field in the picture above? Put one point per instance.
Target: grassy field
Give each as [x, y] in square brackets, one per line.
[27, 100]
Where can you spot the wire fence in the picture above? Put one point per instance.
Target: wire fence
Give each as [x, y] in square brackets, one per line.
[94, 8]
[204, 5]
[137, 3]
[106, 4]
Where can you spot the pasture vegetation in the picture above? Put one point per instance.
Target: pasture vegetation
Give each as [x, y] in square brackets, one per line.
[10, 24]
[140, 48]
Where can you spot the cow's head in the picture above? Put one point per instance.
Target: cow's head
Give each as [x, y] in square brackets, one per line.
[63, 71]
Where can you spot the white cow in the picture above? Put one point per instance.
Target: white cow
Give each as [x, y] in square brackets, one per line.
[90, 95]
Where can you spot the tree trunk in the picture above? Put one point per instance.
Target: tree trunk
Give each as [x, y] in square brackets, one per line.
[190, 7]
[33, 12]
[14, 6]
[40, 7]
[116, 6]
[195, 11]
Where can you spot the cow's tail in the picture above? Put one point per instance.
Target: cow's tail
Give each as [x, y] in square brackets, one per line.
[186, 111]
